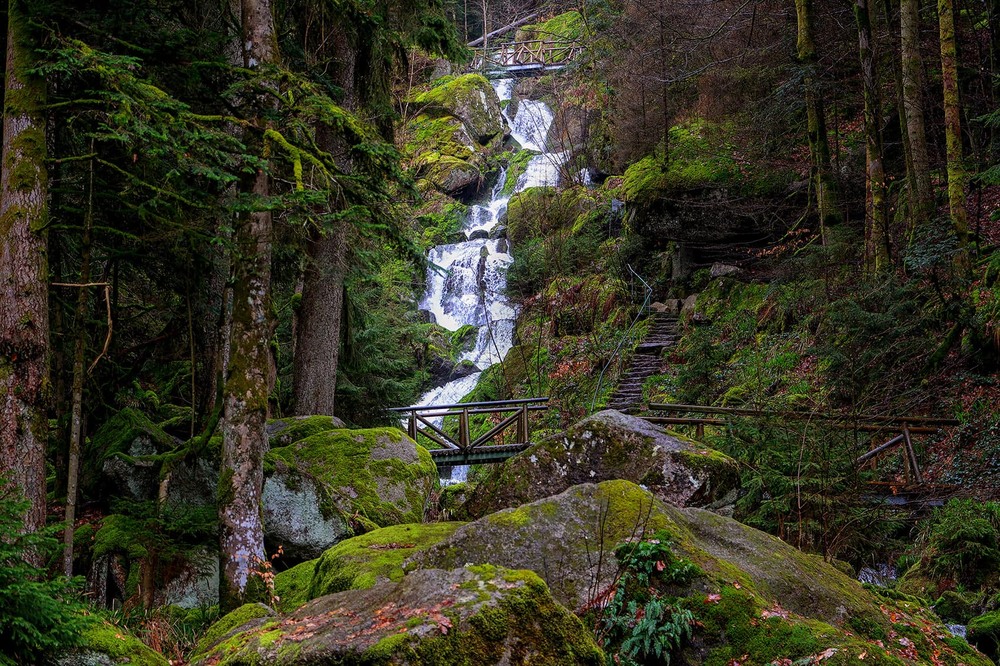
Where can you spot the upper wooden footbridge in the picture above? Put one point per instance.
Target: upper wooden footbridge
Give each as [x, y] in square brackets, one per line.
[521, 59]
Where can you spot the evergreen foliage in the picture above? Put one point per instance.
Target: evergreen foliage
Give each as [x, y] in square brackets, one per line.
[38, 616]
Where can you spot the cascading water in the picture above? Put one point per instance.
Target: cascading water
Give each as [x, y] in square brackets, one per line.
[466, 282]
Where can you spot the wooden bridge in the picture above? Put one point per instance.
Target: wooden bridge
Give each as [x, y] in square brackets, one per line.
[525, 58]
[461, 448]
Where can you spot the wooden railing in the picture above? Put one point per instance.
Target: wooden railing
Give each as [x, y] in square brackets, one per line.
[905, 426]
[462, 448]
[537, 53]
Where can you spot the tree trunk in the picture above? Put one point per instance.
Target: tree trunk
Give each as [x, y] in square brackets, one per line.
[877, 249]
[24, 317]
[76, 411]
[957, 176]
[319, 326]
[244, 438]
[317, 347]
[819, 145]
[921, 195]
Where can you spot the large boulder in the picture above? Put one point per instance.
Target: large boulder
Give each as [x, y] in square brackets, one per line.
[611, 445]
[118, 460]
[473, 615]
[471, 99]
[331, 484]
[755, 599]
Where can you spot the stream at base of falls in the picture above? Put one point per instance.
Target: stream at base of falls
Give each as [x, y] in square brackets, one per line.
[467, 282]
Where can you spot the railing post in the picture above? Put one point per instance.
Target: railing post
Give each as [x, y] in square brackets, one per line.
[463, 430]
[699, 431]
[411, 426]
[522, 426]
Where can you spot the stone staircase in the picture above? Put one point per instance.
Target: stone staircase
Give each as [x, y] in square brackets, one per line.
[645, 363]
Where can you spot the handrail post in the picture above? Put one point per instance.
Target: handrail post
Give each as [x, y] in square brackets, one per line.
[699, 431]
[522, 426]
[463, 430]
[411, 426]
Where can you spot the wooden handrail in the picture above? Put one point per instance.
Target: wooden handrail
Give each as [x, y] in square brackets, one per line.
[807, 416]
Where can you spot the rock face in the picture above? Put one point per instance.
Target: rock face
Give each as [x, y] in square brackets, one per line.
[104, 644]
[325, 485]
[610, 445]
[474, 615]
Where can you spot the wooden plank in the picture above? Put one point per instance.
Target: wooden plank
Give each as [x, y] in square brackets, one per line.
[912, 456]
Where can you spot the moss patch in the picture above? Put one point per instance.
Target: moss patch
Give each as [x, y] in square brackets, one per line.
[292, 586]
[358, 563]
[119, 645]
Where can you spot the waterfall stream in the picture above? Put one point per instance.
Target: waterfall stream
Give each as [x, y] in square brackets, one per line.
[466, 282]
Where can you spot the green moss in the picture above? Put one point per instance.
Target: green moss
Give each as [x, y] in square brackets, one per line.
[291, 430]
[118, 644]
[450, 95]
[292, 586]
[115, 437]
[228, 623]
[119, 534]
[360, 562]
[566, 27]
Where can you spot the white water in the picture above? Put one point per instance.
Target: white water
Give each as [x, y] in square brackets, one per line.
[466, 282]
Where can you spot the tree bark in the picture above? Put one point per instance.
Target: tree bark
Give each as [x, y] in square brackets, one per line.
[919, 179]
[24, 315]
[957, 176]
[877, 248]
[244, 438]
[819, 145]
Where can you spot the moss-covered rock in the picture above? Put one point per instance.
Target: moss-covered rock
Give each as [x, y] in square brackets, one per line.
[324, 487]
[227, 625]
[115, 457]
[610, 445]
[984, 633]
[475, 615]
[471, 99]
[104, 644]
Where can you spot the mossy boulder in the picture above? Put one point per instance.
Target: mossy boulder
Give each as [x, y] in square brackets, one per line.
[104, 644]
[323, 488]
[115, 459]
[984, 633]
[756, 599]
[474, 615]
[610, 445]
[471, 99]
[358, 563]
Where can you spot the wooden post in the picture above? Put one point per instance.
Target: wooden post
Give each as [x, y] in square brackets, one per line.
[463, 430]
[522, 426]
[699, 430]
[912, 456]
[411, 426]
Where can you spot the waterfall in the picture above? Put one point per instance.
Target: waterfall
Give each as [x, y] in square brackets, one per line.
[467, 282]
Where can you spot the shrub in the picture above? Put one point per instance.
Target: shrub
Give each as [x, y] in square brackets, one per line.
[37, 616]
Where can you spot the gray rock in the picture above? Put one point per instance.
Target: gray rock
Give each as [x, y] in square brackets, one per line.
[689, 305]
[293, 519]
[195, 584]
[479, 234]
[610, 445]
[498, 231]
[723, 270]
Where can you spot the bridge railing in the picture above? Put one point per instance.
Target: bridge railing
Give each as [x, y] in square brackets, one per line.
[462, 448]
[519, 54]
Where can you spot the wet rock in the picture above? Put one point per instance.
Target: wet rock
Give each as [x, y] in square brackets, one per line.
[611, 445]
[498, 231]
[471, 99]
[479, 234]
[475, 615]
